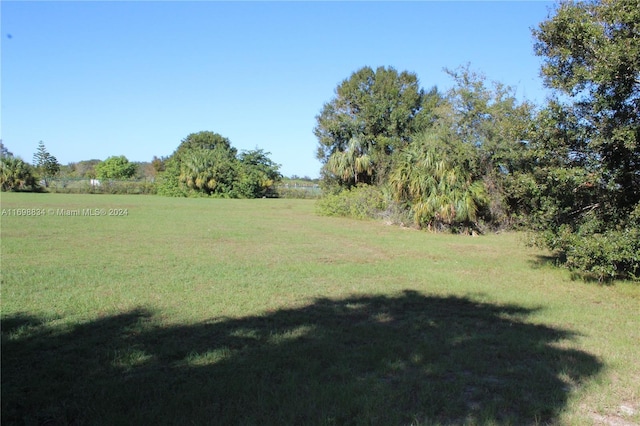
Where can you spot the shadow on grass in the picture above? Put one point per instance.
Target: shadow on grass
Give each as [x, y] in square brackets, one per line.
[557, 261]
[361, 360]
[543, 261]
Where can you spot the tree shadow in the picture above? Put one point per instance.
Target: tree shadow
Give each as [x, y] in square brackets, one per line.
[408, 359]
[19, 321]
[558, 261]
[542, 261]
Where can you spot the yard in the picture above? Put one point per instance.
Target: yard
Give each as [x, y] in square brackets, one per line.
[132, 309]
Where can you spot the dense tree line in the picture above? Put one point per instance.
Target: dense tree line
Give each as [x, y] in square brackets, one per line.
[450, 164]
[204, 164]
[475, 158]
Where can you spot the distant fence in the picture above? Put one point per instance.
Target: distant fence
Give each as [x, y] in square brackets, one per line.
[102, 186]
[148, 186]
[297, 190]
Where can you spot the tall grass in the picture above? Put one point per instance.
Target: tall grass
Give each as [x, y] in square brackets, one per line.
[201, 311]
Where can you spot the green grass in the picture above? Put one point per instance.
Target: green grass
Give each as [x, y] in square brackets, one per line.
[200, 311]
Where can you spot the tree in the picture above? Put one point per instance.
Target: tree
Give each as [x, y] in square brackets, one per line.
[257, 174]
[479, 133]
[353, 165]
[4, 152]
[85, 168]
[158, 164]
[489, 121]
[115, 167]
[204, 140]
[46, 164]
[15, 174]
[589, 137]
[592, 56]
[205, 163]
[210, 171]
[380, 108]
[437, 193]
[482, 130]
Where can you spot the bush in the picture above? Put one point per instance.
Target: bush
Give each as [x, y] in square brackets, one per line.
[614, 254]
[360, 202]
[605, 255]
[169, 181]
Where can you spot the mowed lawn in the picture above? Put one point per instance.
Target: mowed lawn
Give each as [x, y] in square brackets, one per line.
[256, 312]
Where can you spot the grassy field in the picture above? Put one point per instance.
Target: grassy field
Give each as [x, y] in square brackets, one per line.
[200, 311]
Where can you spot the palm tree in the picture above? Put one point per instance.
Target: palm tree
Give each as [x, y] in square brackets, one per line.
[436, 192]
[353, 165]
[197, 170]
[15, 174]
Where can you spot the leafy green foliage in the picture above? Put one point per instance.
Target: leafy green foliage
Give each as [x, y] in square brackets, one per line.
[484, 131]
[488, 121]
[15, 174]
[570, 171]
[4, 151]
[210, 171]
[116, 167]
[158, 164]
[83, 169]
[353, 165]
[588, 145]
[373, 114]
[606, 255]
[257, 174]
[85, 186]
[169, 180]
[437, 193]
[204, 140]
[592, 53]
[46, 165]
[206, 164]
[359, 202]
[479, 133]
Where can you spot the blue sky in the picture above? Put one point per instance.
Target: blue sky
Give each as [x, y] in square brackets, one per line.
[96, 79]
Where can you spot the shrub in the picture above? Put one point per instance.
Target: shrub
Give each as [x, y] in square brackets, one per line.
[605, 255]
[360, 202]
[169, 181]
[614, 254]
